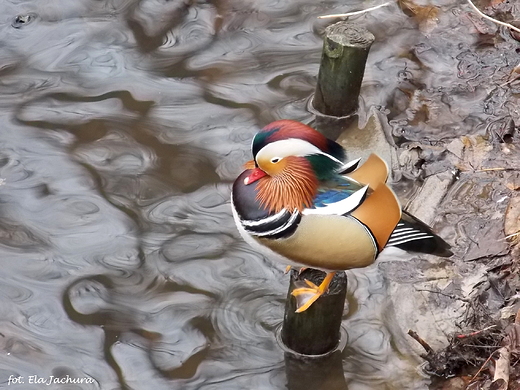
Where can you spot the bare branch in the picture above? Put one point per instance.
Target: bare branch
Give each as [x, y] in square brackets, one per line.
[492, 19]
[355, 12]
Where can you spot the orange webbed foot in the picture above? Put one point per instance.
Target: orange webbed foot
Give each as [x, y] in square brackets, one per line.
[306, 296]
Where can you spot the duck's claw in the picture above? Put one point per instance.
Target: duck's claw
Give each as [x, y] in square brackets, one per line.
[306, 296]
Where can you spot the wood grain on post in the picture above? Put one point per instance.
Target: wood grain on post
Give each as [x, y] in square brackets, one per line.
[345, 52]
[316, 331]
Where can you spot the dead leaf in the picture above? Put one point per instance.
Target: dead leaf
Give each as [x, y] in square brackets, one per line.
[512, 338]
[499, 384]
[502, 365]
[426, 16]
[512, 217]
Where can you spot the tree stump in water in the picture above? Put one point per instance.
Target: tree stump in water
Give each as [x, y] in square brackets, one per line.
[345, 51]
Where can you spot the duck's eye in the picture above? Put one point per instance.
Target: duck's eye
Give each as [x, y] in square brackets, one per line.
[274, 160]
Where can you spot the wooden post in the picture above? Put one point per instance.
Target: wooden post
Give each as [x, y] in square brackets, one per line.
[345, 52]
[316, 331]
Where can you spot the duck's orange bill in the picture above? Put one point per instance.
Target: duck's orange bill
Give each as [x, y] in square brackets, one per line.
[254, 176]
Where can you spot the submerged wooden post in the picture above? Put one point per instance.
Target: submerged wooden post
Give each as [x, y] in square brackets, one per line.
[345, 52]
[315, 331]
[315, 374]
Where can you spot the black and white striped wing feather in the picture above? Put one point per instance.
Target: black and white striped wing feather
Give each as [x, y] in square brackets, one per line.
[411, 234]
[403, 234]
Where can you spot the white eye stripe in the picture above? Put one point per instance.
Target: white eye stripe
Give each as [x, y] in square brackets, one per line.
[287, 147]
[290, 147]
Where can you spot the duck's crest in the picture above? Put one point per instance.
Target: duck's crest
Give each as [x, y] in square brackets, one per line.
[287, 129]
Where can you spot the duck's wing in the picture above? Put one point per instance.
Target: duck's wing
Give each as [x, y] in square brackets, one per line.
[339, 196]
[411, 234]
[380, 213]
[348, 167]
[373, 171]
[363, 194]
[333, 235]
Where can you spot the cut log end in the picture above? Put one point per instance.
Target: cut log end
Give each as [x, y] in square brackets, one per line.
[350, 34]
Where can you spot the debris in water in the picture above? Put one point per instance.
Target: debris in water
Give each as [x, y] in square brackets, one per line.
[22, 20]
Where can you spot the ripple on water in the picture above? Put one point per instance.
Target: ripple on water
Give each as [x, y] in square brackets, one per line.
[15, 293]
[176, 39]
[117, 152]
[376, 352]
[244, 348]
[62, 109]
[157, 16]
[185, 211]
[188, 246]
[161, 329]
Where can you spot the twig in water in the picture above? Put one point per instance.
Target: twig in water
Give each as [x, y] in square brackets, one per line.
[444, 294]
[512, 235]
[492, 19]
[496, 169]
[423, 343]
[512, 78]
[463, 336]
[354, 12]
[482, 367]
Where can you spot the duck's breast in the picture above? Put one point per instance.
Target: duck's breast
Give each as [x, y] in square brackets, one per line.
[329, 242]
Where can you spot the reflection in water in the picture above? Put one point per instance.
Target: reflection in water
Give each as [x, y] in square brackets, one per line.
[124, 122]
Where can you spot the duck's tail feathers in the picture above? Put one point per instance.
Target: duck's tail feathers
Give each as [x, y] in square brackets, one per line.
[413, 235]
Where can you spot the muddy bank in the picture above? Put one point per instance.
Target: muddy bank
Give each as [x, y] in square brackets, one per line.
[461, 311]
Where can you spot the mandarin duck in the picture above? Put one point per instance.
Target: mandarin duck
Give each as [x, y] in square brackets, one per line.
[299, 202]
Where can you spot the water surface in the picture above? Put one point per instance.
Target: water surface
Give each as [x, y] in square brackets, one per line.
[123, 124]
